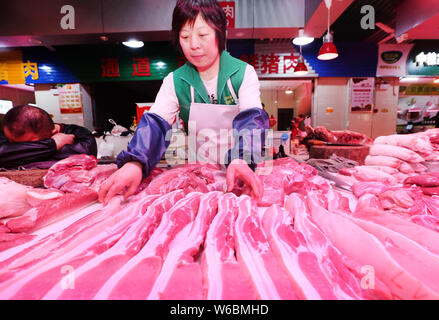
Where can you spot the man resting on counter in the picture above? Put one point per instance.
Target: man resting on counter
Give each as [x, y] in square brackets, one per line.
[30, 139]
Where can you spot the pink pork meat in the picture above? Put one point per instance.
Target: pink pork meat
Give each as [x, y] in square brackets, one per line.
[51, 244]
[345, 284]
[290, 248]
[224, 278]
[394, 151]
[35, 281]
[424, 237]
[189, 177]
[50, 211]
[90, 277]
[254, 252]
[181, 276]
[416, 260]
[136, 278]
[13, 198]
[372, 187]
[396, 267]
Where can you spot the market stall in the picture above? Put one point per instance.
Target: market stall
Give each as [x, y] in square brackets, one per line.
[182, 237]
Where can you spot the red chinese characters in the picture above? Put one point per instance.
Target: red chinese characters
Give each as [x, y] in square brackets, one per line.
[110, 67]
[141, 67]
[229, 10]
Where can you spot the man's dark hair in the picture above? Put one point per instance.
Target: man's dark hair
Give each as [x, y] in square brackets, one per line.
[25, 118]
[212, 13]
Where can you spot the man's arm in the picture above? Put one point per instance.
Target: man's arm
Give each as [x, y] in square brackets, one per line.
[13, 155]
[84, 142]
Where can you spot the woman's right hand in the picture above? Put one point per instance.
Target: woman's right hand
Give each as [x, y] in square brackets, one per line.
[129, 175]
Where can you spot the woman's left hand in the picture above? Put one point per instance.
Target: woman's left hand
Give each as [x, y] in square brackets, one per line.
[238, 168]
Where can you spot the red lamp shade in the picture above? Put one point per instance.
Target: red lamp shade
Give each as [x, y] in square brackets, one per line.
[328, 51]
[300, 67]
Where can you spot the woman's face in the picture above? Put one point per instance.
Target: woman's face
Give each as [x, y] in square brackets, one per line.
[199, 44]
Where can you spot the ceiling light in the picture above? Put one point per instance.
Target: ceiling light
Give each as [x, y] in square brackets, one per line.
[328, 50]
[301, 39]
[300, 68]
[288, 91]
[133, 43]
[436, 80]
[409, 79]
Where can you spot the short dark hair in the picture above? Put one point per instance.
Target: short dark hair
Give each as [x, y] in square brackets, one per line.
[25, 118]
[211, 11]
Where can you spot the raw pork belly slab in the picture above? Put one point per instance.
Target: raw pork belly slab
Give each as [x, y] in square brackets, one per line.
[345, 285]
[394, 151]
[136, 278]
[224, 278]
[34, 281]
[391, 264]
[90, 277]
[254, 252]
[41, 248]
[181, 276]
[425, 237]
[418, 142]
[290, 249]
[52, 210]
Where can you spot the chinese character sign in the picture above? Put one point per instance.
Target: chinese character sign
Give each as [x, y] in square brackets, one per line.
[110, 67]
[229, 10]
[392, 59]
[362, 90]
[141, 67]
[70, 98]
[272, 64]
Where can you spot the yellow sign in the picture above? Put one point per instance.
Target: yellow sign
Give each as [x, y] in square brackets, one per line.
[14, 70]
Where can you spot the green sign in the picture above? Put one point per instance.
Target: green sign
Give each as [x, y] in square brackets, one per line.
[391, 57]
[119, 63]
[420, 90]
[423, 60]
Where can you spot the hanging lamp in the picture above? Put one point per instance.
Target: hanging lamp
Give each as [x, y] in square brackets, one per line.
[328, 50]
[300, 68]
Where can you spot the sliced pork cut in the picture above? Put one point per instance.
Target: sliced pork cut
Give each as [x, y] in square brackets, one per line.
[42, 248]
[290, 248]
[345, 284]
[427, 221]
[254, 252]
[90, 277]
[395, 151]
[396, 267]
[423, 180]
[372, 187]
[417, 142]
[136, 278]
[181, 275]
[35, 196]
[33, 282]
[224, 278]
[53, 210]
[381, 160]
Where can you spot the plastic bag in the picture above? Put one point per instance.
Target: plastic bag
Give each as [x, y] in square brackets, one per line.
[117, 129]
[105, 148]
